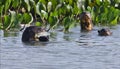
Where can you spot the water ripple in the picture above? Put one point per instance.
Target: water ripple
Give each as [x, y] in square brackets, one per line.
[75, 50]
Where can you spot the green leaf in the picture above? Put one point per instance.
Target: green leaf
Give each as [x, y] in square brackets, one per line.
[58, 6]
[17, 20]
[13, 15]
[7, 5]
[54, 3]
[37, 9]
[98, 2]
[28, 4]
[15, 3]
[1, 10]
[27, 18]
[38, 24]
[44, 1]
[76, 10]
[7, 21]
[40, 6]
[54, 13]
[44, 14]
[52, 21]
[68, 23]
[114, 22]
[49, 6]
[1, 13]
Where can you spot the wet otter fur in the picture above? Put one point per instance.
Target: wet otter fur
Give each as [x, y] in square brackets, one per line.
[86, 21]
[104, 32]
[34, 33]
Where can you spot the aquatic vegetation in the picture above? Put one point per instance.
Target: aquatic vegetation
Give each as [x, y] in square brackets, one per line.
[54, 13]
[105, 12]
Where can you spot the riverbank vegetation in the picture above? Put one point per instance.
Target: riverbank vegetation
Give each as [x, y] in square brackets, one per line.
[54, 13]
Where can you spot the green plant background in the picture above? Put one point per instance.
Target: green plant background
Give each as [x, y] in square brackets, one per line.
[54, 13]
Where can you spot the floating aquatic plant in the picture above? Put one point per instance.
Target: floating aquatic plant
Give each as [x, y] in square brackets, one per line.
[54, 13]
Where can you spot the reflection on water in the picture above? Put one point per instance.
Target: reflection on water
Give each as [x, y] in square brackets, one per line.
[74, 50]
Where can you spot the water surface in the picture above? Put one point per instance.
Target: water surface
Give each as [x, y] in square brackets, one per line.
[74, 50]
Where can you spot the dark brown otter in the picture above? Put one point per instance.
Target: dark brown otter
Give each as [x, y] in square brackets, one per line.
[86, 21]
[104, 32]
[34, 33]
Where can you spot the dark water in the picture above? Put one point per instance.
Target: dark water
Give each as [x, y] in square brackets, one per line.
[75, 50]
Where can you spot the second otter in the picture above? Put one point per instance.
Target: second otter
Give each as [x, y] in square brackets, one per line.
[86, 21]
[104, 32]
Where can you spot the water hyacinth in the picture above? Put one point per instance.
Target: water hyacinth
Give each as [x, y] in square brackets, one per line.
[54, 13]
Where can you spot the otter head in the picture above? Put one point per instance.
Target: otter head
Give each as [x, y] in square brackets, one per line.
[86, 21]
[35, 33]
[104, 32]
[42, 36]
